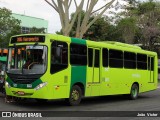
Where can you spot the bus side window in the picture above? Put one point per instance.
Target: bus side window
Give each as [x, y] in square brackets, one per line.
[90, 57]
[115, 58]
[59, 56]
[141, 61]
[105, 57]
[78, 54]
[152, 64]
[129, 60]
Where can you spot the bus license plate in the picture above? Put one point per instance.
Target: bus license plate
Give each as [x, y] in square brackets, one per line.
[20, 93]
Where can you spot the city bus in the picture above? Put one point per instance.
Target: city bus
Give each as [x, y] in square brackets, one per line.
[3, 54]
[3, 60]
[50, 66]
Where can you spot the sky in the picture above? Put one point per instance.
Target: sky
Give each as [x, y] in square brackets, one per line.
[35, 8]
[39, 9]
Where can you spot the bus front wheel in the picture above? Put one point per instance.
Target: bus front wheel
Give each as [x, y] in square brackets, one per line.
[75, 96]
[134, 92]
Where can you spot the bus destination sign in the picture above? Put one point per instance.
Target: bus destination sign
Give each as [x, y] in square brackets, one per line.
[21, 39]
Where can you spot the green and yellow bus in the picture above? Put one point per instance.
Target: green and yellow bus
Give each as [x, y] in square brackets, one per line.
[47, 66]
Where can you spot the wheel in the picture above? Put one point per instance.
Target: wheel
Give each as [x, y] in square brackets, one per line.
[134, 92]
[75, 96]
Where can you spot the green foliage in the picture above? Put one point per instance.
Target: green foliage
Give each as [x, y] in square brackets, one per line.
[37, 30]
[146, 7]
[97, 30]
[149, 18]
[8, 26]
[139, 23]
[127, 27]
[101, 30]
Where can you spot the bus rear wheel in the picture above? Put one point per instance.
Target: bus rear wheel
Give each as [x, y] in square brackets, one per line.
[75, 96]
[134, 92]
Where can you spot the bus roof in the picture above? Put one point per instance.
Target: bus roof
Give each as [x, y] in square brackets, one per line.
[122, 44]
[109, 44]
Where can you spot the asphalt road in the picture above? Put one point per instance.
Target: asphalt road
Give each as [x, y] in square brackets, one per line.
[149, 101]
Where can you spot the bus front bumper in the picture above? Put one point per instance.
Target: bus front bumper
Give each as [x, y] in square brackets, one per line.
[28, 93]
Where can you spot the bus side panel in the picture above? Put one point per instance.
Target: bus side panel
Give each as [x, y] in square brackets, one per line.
[115, 81]
[61, 80]
[119, 81]
[78, 72]
[150, 82]
[59, 84]
[89, 81]
[78, 75]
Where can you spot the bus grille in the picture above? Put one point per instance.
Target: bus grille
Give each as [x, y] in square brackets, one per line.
[23, 79]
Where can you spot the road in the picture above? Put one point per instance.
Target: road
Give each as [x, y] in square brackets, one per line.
[149, 101]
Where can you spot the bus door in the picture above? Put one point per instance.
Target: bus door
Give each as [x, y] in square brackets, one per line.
[93, 75]
[151, 68]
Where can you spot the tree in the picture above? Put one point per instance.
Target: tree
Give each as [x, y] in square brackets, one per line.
[127, 27]
[149, 23]
[8, 26]
[37, 30]
[62, 8]
[140, 22]
[147, 15]
[101, 30]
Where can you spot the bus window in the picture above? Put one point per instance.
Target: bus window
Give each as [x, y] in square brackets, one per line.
[90, 57]
[27, 59]
[59, 56]
[141, 61]
[115, 58]
[96, 62]
[105, 57]
[78, 54]
[151, 64]
[129, 60]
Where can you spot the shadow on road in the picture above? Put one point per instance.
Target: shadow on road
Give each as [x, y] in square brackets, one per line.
[31, 104]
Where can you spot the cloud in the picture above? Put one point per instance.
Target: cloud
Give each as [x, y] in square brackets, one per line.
[40, 9]
[35, 8]
[2, 3]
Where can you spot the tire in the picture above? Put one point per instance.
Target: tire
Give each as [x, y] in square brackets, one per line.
[75, 96]
[134, 92]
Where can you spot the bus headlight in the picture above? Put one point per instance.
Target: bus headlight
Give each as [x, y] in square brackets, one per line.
[7, 84]
[40, 86]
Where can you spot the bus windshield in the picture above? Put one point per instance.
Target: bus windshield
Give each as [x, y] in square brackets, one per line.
[30, 59]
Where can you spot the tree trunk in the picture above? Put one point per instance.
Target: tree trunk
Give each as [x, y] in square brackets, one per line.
[62, 7]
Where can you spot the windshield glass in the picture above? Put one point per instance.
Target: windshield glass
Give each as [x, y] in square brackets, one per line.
[31, 59]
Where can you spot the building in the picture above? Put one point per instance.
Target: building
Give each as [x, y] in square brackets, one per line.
[28, 22]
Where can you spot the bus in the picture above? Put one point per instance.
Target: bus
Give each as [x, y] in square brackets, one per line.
[3, 54]
[50, 66]
[3, 60]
